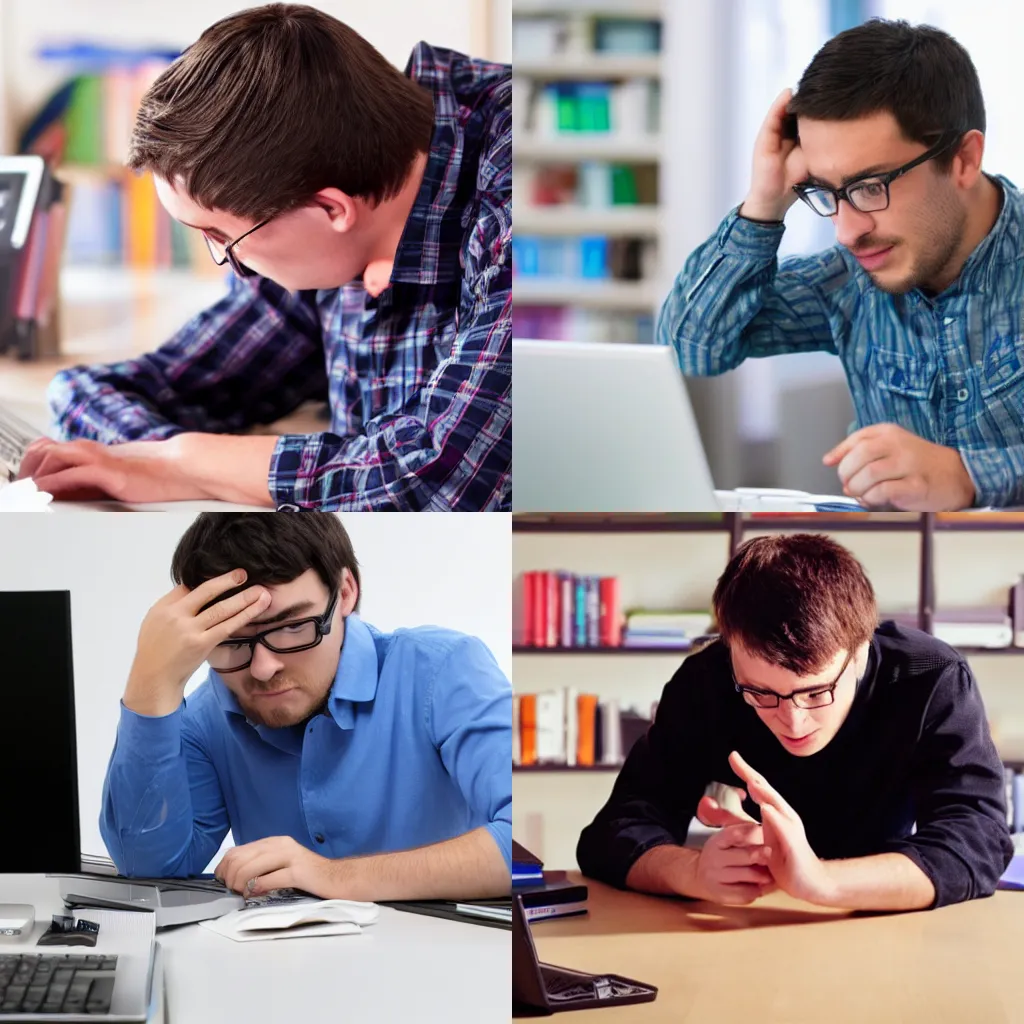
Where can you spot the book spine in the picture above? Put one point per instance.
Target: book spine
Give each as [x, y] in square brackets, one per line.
[572, 725]
[586, 715]
[611, 618]
[593, 612]
[539, 610]
[554, 594]
[581, 612]
[528, 728]
[568, 609]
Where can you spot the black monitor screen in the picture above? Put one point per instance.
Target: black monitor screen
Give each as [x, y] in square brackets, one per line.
[39, 808]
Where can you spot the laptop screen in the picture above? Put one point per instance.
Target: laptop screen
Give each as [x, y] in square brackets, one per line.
[39, 810]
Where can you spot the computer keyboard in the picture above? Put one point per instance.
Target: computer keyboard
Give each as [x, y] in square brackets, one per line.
[56, 984]
[15, 436]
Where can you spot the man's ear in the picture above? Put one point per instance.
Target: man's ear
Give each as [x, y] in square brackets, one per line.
[967, 162]
[341, 209]
[348, 597]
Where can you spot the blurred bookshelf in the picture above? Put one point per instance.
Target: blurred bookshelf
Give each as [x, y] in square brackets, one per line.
[587, 104]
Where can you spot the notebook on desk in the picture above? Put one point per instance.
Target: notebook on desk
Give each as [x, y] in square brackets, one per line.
[496, 913]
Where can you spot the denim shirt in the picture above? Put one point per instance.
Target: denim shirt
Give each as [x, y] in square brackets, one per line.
[948, 367]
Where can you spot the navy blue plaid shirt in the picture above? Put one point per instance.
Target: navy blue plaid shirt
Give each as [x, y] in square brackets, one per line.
[949, 368]
[419, 380]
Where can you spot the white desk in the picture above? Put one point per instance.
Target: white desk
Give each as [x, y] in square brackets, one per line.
[403, 968]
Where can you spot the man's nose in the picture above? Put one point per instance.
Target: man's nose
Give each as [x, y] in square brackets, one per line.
[851, 225]
[265, 664]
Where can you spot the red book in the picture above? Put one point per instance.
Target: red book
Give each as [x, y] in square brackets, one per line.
[611, 617]
[554, 609]
[540, 610]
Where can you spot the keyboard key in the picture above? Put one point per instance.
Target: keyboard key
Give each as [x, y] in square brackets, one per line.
[63, 976]
[78, 992]
[12, 998]
[109, 963]
[100, 995]
[34, 998]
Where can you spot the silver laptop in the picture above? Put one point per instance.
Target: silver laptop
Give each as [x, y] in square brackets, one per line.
[605, 428]
[15, 436]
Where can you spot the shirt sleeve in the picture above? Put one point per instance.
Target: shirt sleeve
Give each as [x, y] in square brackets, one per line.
[163, 814]
[469, 708]
[962, 842]
[997, 475]
[657, 791]
[251, 358]
[451, 450]
[733, 301]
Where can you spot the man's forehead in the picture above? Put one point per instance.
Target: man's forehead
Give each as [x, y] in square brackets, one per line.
[837, 151]
[177, 203]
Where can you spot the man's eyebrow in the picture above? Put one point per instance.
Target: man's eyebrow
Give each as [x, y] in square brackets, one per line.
[284, 613]
[206, 231]
[813, 179]
[775, 693]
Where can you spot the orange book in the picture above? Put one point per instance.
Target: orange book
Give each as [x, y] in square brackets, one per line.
[528, 728]
[586, 713]
[141, 221]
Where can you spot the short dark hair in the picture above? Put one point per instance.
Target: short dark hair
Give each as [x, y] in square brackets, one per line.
[919, 74]
[271, 105]
[795, 601]
[271, 547]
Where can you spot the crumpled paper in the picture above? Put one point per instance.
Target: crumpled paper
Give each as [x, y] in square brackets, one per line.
[23, 495]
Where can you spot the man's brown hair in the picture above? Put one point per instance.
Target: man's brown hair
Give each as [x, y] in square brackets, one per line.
[795, 601]
[271, 105]
[272, 547]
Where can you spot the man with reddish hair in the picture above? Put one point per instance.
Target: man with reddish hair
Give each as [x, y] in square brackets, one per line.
[877, 785]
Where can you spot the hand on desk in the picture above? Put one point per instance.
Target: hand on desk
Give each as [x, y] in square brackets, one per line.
[885, 465]
[182, 468]
[275, 863]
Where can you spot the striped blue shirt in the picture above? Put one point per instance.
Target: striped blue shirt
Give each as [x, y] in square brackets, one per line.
[949, 367]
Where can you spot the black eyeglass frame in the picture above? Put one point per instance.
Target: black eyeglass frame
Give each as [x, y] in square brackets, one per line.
[830, 688]
[323, 628]
[946, 141]
[229, 250]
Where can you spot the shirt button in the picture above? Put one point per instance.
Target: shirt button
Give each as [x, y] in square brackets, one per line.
[949, 320]
[319, 837]
[962, 395]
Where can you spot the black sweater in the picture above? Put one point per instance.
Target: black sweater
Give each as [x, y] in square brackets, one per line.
[915, 747]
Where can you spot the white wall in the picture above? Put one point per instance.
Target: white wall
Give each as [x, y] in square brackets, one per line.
[447, 570]
[393, 26]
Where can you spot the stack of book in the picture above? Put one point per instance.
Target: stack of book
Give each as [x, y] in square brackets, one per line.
[562, 609]
[567, 727]
[544, 894]
[673, 630]
[965, 627]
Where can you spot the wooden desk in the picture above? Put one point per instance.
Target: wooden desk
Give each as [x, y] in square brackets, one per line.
[785, 962]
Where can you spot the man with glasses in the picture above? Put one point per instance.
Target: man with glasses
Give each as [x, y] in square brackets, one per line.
[923, 297]
[366, 216]
[860, 752]
[292, 741]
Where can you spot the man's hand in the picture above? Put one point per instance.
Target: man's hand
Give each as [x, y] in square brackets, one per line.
[276, 863]
[885, 465]
[778, 164]
[732, 867]
[793, 864]
[182, 468]
[176, 638]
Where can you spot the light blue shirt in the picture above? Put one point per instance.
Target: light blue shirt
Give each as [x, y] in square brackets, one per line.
[947, 367]
[415, 747]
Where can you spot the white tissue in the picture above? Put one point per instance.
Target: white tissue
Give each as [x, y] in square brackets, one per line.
[22, 495]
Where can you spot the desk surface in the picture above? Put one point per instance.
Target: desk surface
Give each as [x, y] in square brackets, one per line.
[785, 962]
[403, 968]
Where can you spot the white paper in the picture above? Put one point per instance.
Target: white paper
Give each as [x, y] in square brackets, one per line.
[23, 495]
[295, 920]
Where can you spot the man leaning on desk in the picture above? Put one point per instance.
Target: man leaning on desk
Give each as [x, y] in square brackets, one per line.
[923, 297]
[349, 763]
[367, 217]
[862, 749]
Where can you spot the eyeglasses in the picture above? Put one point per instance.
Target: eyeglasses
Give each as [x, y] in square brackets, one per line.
[869, 194]
[818, 697]
[226, 253]
[237, 653]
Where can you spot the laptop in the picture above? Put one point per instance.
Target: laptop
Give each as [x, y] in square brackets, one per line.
[113, 980]
[15, 436]
[542, 989]
[609, 428]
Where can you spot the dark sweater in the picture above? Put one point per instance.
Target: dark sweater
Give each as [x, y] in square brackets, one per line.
[915, 747]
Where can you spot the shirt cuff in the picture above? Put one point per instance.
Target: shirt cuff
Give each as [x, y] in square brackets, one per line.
[994, 478]
[151, 738]
[738, 236]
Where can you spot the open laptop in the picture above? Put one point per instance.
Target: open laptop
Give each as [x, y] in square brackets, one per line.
[15, 436]
[541, 989]
[113, 980]
[609, 428]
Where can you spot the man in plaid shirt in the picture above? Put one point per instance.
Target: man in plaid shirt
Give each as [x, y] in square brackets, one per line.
[367, 218]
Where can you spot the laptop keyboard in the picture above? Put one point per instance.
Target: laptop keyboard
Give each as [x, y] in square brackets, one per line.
[56, 984]
[15, 436]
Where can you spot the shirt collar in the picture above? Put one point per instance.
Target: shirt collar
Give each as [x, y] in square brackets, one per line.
[354, 682]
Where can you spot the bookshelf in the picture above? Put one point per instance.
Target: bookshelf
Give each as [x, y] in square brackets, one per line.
[629, 147]
[919, 562]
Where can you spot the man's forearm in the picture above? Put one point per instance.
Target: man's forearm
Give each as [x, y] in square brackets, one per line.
[466, 867]
[664, 870]
[886, 881]
[225, 467]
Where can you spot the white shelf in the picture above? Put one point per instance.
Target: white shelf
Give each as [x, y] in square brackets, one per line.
[642, 220]
[592, 146]
[621, 295]
[591, 67]
[618, 8]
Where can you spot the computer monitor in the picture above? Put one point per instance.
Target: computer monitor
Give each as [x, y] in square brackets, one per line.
[605, 428]
[38, 750]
